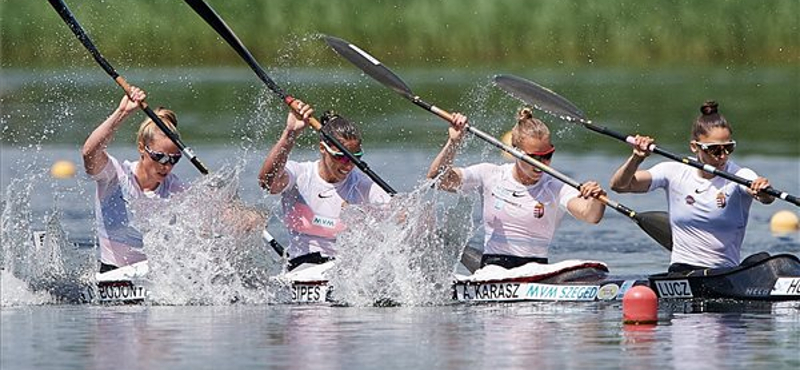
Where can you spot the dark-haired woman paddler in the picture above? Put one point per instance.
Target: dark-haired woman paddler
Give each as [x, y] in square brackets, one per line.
[313, 192]
[708, 214]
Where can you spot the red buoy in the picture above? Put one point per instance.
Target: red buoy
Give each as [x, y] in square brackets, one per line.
[640, 306]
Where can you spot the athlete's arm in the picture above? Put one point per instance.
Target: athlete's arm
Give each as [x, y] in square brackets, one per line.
[628, 179]
[94, 153]
[451, 177]
[273, 176]
[586, 207]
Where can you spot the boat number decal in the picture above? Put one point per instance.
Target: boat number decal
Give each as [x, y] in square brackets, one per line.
[492, 291]
[674, 289]
[309, 293]
[118, 292]
[787, 286]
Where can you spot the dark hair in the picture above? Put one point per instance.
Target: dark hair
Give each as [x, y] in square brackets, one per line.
[338, 127]
[708, 119]
[528, 126]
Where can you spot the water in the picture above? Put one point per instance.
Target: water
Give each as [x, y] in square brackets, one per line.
[194, 325]
[518, 336]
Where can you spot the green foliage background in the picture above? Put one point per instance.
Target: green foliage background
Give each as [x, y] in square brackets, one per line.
[470, 33]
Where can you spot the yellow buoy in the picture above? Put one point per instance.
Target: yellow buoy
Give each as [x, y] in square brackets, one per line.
[784, 222]
[506, 139]
[62, 169]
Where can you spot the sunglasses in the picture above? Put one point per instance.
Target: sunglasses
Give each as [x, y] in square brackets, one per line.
[162, 157]
[717, 149]
[339, 156]
[542, 156]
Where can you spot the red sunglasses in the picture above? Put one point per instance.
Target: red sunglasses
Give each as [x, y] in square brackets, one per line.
[542, 156]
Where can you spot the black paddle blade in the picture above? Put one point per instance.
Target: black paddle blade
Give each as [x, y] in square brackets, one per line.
[471, 259]
[539, 97]
[369, 64]
[656, 224]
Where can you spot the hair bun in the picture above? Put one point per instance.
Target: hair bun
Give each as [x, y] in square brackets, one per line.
[709, 107]
[525, 113]
[328, 116]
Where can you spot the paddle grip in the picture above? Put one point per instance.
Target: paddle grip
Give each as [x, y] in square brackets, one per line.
[442, 113]
[295, 105]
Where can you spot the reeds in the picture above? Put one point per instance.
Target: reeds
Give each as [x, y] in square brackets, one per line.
[419, 32]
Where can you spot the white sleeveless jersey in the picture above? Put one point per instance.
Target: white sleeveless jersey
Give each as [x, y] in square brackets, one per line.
[708, 217]
[518, 220]
[120, 243]
[312, 206]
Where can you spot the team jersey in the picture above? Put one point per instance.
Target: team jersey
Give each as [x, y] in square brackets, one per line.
[518, 220]
[312, 206]
[708, 217]
[120, 243]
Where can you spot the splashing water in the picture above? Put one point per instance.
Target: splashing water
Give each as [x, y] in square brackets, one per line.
[205, 248]
[398, 253]
[38, 268]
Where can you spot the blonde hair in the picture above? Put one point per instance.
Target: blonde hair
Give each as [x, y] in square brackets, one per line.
[148, 129]
[528, 126]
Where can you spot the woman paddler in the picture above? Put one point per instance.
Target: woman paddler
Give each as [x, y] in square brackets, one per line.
[708, 214]
[314, 192]
[522, 206]
[118, 183]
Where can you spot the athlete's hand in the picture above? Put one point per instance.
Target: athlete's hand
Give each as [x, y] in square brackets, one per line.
[758, 185]
[298, 120]
[130, 103]
[591, 189]
[456, 131]
[641, 146]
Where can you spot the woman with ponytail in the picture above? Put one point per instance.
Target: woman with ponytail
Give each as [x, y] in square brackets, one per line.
[708, 214]
[522, 206]
[120, 183]
[313, 193]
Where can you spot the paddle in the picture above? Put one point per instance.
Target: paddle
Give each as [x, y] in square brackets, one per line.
[216, 22]
[655, 224]
[76, 28]
[551, 103]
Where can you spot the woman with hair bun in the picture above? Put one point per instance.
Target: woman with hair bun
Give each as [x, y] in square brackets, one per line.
[119, 183]
[313, 193]
[708, 214]
[522, 206]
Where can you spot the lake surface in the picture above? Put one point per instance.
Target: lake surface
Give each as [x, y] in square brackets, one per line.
[47, 118]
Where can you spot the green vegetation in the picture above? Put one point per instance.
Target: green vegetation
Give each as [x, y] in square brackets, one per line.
[471, 33]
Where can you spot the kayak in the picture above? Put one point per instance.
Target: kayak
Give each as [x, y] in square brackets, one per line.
[129, 285]
[124, 285]
[760, 278]
[565, 281]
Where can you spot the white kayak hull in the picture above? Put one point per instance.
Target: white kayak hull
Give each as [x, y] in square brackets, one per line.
[565, 281]
[129, 285]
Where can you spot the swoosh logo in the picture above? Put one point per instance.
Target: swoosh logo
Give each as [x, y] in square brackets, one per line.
[698, 191]
[518, 194]
[325, 196]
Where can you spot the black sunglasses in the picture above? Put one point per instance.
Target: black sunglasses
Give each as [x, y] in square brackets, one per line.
[162, 157]
[717, 149]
